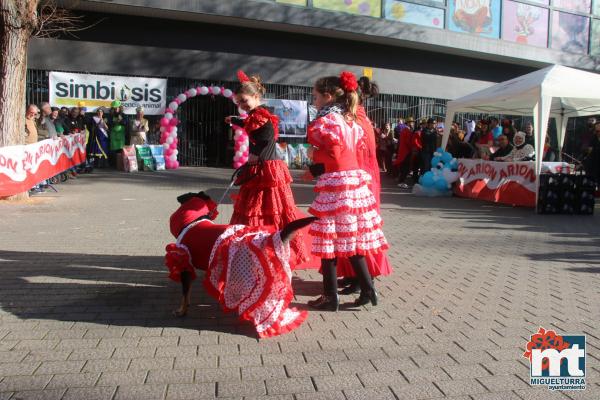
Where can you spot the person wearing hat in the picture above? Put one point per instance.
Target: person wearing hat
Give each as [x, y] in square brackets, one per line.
[116, 123]
[99, 140]
[138, 127]
[429, 140]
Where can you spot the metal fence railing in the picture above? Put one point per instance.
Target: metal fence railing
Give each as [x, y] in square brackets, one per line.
[204, 138]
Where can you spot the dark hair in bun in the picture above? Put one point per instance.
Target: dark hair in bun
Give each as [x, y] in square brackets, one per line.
[368, 88]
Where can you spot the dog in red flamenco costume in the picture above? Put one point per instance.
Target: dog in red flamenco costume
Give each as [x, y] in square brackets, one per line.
[246, 268]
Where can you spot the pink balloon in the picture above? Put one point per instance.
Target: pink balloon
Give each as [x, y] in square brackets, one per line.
[177, 101]
[175, 164]
[164, 122]
[246, 154]
[237, 164]
[173, 146]
[174, 122]
[187, 93]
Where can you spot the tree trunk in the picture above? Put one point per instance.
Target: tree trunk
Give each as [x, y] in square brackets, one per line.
[18, 19]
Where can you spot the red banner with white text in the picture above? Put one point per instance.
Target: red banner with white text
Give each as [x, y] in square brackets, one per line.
[22, 167]
[501, 182]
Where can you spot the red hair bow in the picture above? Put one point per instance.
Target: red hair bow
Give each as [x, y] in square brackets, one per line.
[348, 81]
[242, 77]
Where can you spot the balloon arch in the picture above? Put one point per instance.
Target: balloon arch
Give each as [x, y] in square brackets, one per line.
[168, 126]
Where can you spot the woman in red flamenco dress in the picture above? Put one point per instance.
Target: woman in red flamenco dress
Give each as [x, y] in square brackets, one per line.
[378, 263]
[349, 224]
[265, 197]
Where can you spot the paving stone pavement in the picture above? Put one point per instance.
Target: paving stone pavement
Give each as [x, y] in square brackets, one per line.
[85, 306]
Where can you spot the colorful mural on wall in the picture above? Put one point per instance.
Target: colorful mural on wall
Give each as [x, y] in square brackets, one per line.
[570, 32]
[479, 17]
[414, 14]
[525, 24]
[294, 2]
[574, 5]
[361, 7]
[595, 40]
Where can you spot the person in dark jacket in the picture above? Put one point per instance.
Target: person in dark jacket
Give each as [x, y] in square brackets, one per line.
[429, 140]
[504, 150]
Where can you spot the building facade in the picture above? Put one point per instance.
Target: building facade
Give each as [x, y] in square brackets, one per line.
[421, 52]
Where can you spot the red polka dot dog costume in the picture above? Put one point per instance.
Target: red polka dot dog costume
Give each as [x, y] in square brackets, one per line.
[246, 268]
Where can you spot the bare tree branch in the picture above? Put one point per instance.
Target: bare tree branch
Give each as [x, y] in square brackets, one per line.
[54, 21]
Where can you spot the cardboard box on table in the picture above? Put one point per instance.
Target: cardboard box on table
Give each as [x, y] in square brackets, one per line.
[129, 159]
[159, 156]
[145, 159]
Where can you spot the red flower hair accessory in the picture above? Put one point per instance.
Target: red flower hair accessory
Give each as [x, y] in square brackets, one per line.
[242, 77]
[348, 81]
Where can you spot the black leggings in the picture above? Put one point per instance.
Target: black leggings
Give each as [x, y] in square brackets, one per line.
[359, 265]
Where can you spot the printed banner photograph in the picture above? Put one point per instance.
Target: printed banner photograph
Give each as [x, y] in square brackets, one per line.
[500, 182]
[67, 89]
[293, 116]
[22, 167]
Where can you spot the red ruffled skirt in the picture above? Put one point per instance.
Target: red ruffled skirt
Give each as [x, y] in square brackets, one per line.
[249, 274]
[266, 199]
[349, 223]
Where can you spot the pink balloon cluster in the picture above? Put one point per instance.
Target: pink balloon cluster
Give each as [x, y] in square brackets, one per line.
[168, 123]
[241, 146]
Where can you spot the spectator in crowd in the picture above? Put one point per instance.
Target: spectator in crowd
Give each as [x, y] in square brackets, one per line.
[404, 154]
[470, 130]
[550, 154]
[385, 141]
[495, 128]
[46, 127]
[73, 123]
[416, 148]
[116, 124]
[31, 133]
[592, 160]
[485, 140]
[64, 112]
[429, 136]
[522, 151]
[57, 120]
[399, 128]
[154, 133]
[138, 127]
[84, 121]
[588, 135]
[99, 140]
[508, 130]
[457, 147]
[504, 149]
[529, 137]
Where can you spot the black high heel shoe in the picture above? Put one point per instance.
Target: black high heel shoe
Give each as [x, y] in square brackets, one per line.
[354, 287]
[326, 303]
[366, 298]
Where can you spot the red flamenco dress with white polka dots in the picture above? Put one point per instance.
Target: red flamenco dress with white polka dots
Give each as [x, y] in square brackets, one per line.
[349, 222]
[246, 268]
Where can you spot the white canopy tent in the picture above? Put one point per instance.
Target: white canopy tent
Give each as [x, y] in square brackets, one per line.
[553, 92]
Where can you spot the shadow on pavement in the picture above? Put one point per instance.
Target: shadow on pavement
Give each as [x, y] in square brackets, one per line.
[112, 290]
